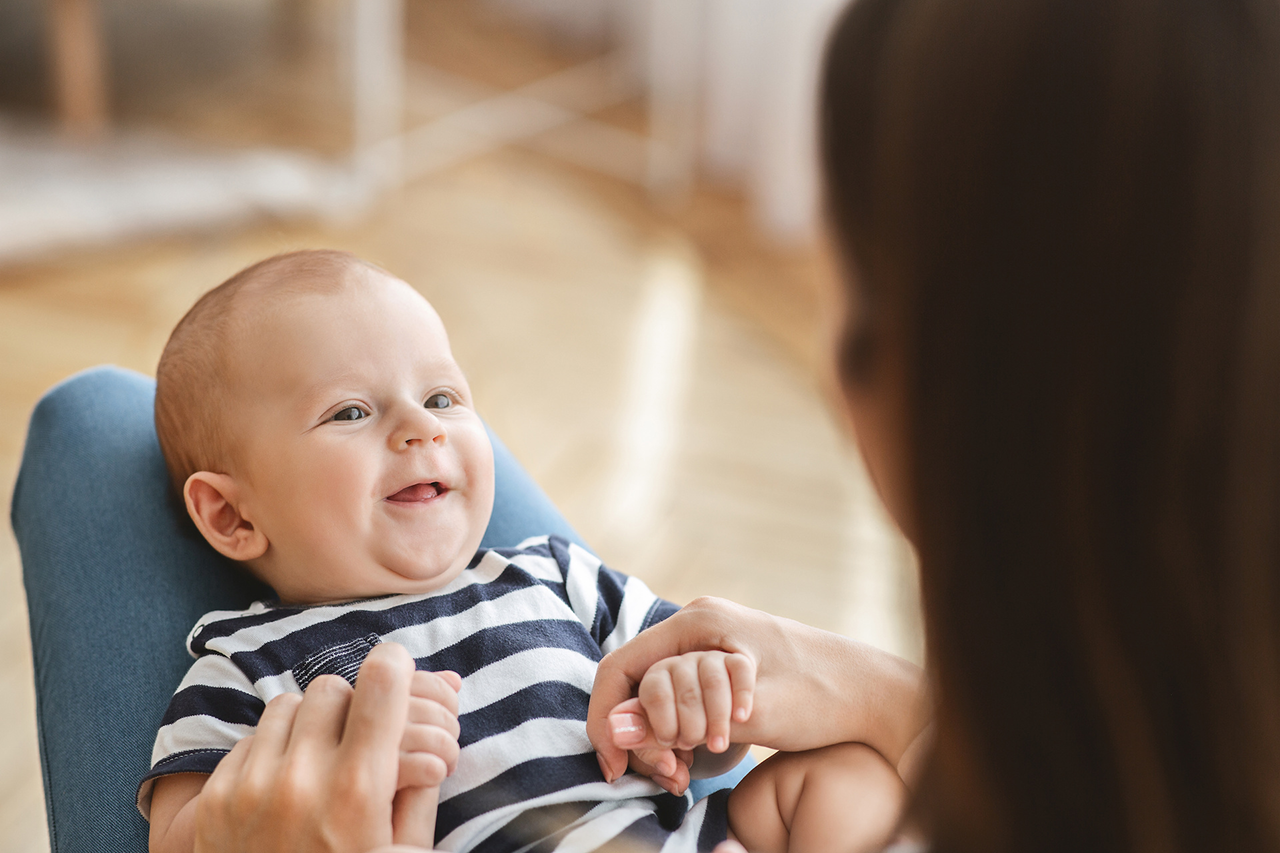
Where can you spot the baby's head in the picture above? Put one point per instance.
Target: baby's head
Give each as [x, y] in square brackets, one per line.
[313, 418]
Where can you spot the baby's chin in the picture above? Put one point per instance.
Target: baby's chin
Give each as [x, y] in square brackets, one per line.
[418, 578]
[410, 579]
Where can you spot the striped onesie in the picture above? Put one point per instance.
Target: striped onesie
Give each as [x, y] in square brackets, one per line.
[525, 628]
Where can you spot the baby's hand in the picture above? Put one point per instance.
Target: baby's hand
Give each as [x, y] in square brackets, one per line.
[683, 702]
[428, 753]
[429, 748]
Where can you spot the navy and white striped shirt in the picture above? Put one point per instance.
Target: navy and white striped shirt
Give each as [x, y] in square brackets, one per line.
[525, 628]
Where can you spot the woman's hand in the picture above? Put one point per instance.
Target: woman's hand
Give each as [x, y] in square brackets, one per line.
[320, 773]
[813, 688]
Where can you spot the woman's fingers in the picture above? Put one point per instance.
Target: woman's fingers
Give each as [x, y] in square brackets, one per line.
[320, 772]
[662, 766]
[413, 819]
[225, 779]
[270, 739]
[232, 764]
[380, 706]
[320, 717]
[657, 762]
[628, 728]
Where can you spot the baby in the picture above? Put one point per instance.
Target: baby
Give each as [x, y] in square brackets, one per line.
[321, 434]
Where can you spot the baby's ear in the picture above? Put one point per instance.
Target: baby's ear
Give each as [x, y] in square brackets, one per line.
[213, 504]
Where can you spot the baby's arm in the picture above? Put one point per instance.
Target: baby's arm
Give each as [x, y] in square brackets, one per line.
[173, 812]
[684, 702]
[428, 753]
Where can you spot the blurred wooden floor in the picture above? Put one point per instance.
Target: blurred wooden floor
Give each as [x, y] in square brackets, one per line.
[660, 373]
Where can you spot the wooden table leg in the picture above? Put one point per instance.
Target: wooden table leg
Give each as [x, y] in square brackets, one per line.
[78, 70]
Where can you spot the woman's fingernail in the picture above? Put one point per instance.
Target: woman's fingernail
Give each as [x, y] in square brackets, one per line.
[604, 768]
[628, 730]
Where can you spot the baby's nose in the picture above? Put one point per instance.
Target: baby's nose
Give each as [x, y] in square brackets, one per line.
[418, 426]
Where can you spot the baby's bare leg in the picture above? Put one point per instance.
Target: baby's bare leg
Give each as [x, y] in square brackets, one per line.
[838, 799]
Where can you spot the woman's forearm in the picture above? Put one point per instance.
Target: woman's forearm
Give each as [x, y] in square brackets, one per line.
[817, 688]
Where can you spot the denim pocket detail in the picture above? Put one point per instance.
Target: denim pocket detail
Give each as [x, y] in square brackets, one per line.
[343, 659]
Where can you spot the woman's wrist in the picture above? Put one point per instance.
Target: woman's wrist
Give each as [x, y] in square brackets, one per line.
[830, 689]
[885, 696]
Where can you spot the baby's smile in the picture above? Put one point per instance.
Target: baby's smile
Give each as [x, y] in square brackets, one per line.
[418, 493]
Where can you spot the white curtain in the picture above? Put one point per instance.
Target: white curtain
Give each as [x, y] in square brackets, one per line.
[734, 85]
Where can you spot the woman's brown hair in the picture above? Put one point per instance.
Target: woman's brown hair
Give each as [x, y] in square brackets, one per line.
[1061, 216]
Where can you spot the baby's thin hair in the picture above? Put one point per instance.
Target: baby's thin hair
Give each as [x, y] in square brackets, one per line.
[193, 374]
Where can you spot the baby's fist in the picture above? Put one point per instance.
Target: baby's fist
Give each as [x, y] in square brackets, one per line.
[683, 702]
[429, 748]
[692, 699]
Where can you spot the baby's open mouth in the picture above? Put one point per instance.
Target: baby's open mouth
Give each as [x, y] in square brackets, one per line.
[417, 492]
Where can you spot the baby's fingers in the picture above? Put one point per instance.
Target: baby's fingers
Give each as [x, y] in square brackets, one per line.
[742, 674]
[433, 740]
[421, 770]
[728, 690]
[691, 708]
[427, 712]
[657, 695]
[717, 699]
[439, 687]
[427, 755]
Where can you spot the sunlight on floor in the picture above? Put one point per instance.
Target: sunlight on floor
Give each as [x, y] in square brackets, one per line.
[658, 374]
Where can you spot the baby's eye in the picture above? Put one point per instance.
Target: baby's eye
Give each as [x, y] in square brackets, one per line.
[350, 413]
[438, 401]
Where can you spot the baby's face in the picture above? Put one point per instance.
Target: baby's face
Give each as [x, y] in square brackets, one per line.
[357, 448]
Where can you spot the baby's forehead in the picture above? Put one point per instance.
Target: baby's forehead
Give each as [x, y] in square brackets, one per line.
[322, 315]
[260, 308]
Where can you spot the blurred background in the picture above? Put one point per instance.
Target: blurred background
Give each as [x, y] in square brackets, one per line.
[612, 204]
